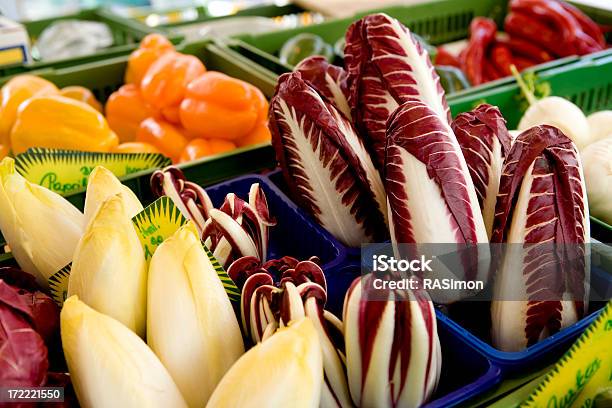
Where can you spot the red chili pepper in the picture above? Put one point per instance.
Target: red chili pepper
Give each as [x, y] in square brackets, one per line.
[482, 33]
[588, 26]
[501, 58]
[446, 58]
[518, 46]
[531, 29]
[550, 11]
[575, 39]
[490, 72]
[523, 63]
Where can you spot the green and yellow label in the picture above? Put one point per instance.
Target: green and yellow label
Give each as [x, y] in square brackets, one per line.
[153, 225]
[583, 372]
[157, 222]
[162, 219]
[67, 171]
[58, 284]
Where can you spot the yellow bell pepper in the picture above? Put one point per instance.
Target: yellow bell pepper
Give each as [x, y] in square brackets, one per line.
[82, 94]
[59, 122]
[14, 93]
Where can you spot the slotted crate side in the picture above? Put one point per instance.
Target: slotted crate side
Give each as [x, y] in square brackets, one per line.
[588, 84]
[442, 21]
[139, 19]
[438, 21]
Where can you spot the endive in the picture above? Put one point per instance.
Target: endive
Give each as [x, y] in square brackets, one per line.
[41, 227]
[101, 185]
[283, 371]
[191, 325]
[109, 271]
[299, 290]
[109, 365]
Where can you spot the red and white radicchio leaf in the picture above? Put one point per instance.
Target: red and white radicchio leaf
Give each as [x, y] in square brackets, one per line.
[484, 141]
[386, 66]
[191, 200]
[542, 214]
[390, 342]
[301, 292]
[325, 164]
[430, 193]
[328, 79]
[238, 229]
[23, 354]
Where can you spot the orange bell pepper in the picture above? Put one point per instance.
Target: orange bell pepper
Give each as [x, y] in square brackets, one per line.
[163, 86]
[164, 136]
[13, 94]
[81, 94]
[219, 106]
[136, 147]
[4, 151]
[151, 48]
[198, 148]
[125, 109]
[260, 134]
[55, 121]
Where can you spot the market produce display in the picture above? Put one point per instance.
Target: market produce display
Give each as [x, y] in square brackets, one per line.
[403, 118]
[263, 290]
[170, 105]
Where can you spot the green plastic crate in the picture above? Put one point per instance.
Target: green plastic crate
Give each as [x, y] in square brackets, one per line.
[588, 84]
[104, 77]
[169, 28]
[438, 21]
[126, 38]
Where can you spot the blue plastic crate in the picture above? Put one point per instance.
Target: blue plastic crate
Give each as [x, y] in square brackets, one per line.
[295, 234]
[541, 354]
[276, 178]
[466, 371]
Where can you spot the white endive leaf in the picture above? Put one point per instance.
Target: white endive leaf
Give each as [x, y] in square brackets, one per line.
[285, 370]
[41, 227]
[109, 270]
[101, 185]
[109, 365]
[191, 325]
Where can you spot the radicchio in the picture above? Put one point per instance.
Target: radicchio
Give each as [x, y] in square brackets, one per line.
[280, 291]
[325, 164]
[329, 80]
[485, 142]
[430, 193]
[393, 353]
[386, 66]
[239, 228]
[23, 354]
[191, 200]
[542, 214]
